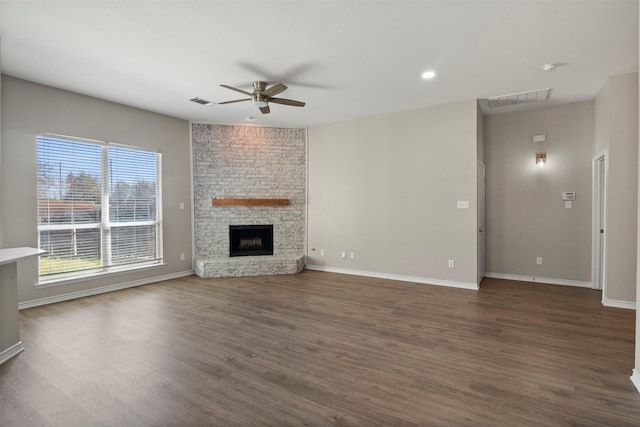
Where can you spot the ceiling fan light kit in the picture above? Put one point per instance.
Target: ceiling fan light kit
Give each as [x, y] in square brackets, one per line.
[263, 95]
[259, 100]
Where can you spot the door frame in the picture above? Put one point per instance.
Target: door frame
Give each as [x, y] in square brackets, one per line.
[598, 217]
[481, 227]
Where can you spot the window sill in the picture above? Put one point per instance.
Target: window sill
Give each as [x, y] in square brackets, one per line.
[109, 272]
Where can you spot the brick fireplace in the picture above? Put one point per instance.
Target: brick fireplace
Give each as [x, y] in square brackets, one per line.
[248, 162]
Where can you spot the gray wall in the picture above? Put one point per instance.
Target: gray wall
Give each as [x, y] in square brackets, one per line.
[1, 198]
[601, 120]
[480, 134]
[622, 188]
[617, 131]
[526, 217]
[386, 187]
[28, 108]
[637, 364]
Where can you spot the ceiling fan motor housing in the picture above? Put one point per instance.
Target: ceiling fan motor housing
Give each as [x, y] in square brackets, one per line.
[259, 86]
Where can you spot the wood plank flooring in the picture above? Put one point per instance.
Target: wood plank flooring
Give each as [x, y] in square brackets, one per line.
[318, 349]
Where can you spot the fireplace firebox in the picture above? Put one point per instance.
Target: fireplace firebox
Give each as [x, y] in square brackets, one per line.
[245, 240]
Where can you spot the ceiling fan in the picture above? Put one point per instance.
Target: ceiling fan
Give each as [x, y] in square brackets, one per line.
[263, 95]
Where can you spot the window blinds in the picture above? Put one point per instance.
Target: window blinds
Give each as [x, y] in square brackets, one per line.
[98, 205]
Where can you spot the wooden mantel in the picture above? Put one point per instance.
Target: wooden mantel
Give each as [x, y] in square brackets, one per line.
[250, 202]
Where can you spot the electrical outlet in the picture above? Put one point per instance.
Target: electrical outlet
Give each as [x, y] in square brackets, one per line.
[353, 255]
[342, 254]
[321, 252]
[452, 263]
[181, 257]
[539, 260]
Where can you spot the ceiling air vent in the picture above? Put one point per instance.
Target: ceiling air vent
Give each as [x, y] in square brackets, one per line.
[519, 98]
[202, 101]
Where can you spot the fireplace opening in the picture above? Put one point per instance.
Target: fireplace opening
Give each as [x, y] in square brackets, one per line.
[245, 240]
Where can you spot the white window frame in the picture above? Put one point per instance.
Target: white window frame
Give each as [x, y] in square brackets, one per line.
[105, 225]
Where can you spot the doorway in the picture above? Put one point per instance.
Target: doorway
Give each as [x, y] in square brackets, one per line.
[481, 221]
[598, 265]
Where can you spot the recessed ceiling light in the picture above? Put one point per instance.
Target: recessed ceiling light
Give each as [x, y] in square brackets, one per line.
[428, 74]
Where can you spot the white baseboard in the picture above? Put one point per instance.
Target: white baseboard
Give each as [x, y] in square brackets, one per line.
[534, 279]
[101, 290]
[606, 302]
[423, 280]
[630, 305]
[635, 379]
[10, 352]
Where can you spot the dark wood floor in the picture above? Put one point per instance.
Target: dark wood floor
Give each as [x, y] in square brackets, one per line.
[324, 349]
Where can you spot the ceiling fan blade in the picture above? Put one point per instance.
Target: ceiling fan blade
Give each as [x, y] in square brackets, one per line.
[235, 100]
[274, 90]
[265, 110]
[236, 89]
[284, 101]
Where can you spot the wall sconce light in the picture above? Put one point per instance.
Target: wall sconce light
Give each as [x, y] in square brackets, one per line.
[541, 159]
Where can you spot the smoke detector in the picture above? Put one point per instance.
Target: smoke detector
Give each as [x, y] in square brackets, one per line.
[548, 67]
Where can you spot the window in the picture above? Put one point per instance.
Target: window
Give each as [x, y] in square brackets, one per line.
[99, 207]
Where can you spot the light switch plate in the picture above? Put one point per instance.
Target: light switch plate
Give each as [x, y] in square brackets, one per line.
[463, 204]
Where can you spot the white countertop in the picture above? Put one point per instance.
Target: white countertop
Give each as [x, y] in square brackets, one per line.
[14, 254]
